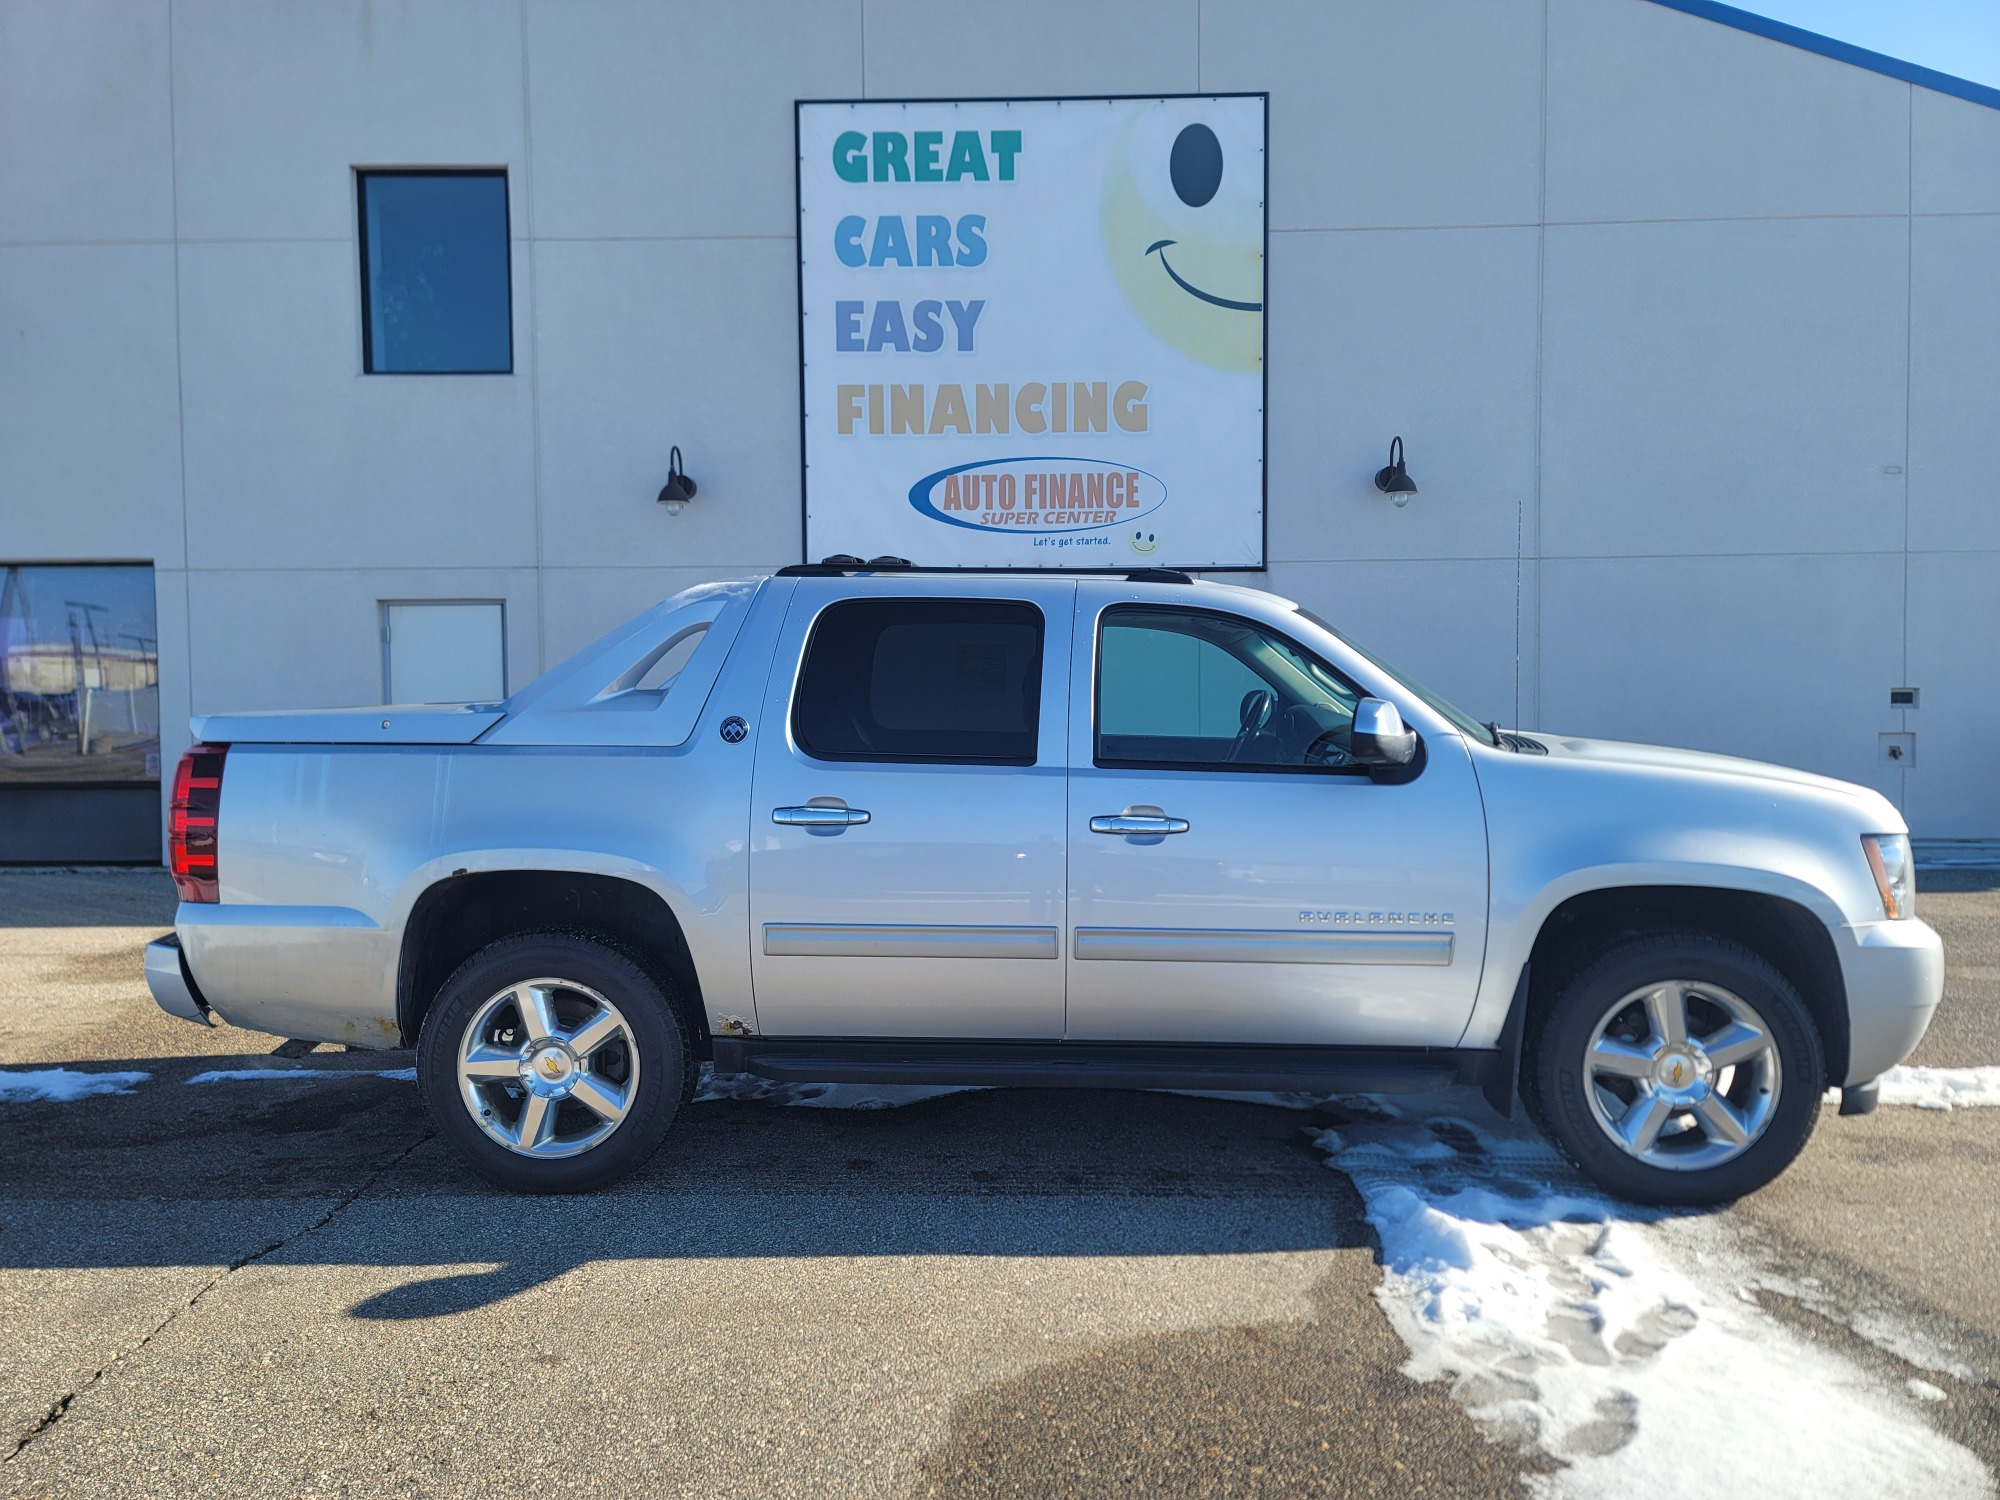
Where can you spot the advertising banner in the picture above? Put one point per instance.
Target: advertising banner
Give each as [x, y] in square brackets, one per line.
[1033, 331]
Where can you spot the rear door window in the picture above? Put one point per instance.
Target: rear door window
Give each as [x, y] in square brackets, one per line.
[941, 680]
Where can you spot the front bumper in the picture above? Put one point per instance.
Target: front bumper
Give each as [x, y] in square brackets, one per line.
[173, 987]
[1895, 978]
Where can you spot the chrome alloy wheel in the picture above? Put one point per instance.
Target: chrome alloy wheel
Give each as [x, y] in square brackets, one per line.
[548, 1068]
[1682, 1075]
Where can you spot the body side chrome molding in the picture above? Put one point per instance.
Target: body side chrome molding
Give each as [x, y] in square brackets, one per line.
[834, 940]
[1224, 945]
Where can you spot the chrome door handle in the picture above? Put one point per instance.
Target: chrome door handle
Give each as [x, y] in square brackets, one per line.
[1137, 823]
[819, 817]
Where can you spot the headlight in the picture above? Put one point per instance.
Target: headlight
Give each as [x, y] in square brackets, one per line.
[1895, 873]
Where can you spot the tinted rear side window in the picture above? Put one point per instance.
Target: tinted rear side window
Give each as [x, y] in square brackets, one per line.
[922, 680]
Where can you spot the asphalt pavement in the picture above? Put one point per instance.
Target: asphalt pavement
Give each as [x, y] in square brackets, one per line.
[287, 1287]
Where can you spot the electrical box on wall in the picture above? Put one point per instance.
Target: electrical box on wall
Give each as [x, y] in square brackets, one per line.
[1896, 750]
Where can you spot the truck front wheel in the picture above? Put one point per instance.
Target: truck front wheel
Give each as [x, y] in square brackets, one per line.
[1679, 1069]
[552, 1064]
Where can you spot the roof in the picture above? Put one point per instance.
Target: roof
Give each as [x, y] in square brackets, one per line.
[1826, 46]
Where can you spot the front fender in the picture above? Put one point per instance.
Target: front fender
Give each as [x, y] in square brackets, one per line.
[1519, 917]
[1593, 817]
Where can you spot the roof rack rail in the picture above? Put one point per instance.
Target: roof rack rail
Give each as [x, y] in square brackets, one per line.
[843, 563]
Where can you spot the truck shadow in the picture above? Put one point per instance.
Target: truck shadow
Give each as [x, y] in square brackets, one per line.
[338, 1168]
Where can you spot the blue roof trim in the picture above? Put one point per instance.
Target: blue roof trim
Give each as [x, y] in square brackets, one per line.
[1826, 46]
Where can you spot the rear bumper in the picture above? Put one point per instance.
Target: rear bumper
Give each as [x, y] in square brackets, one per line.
[1895, 977]
[173, 987]
[318, 973]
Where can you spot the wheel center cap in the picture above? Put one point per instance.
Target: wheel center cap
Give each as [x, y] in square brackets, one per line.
[548, 1071]
[1681, 1073]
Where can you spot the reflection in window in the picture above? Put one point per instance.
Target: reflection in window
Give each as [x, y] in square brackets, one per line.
[435, 293]
[79, 676]
[937, 680]
[1198, 689]
[1161, 682]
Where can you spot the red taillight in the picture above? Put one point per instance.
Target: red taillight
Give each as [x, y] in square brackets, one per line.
[191, 822]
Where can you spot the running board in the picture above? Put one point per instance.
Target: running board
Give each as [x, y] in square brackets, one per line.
[1109, 1065]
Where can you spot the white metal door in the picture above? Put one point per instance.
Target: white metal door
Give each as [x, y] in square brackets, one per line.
[1245, 902]
[916, 897]
[444, 651]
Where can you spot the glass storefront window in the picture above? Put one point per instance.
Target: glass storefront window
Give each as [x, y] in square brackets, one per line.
[79, 676]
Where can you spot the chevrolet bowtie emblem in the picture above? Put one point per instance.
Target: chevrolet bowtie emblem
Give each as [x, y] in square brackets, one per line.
[551, 1066]
[1677, 1075]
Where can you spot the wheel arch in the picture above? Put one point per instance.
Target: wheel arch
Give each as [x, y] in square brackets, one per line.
[455, 917]
[1783, 932]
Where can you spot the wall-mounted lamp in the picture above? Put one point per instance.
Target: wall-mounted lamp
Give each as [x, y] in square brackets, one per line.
[679, 489]
[1395, 481]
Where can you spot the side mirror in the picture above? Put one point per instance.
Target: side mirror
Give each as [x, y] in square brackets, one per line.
[1381, 738]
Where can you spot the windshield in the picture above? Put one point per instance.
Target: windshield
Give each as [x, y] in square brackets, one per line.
[1460, 719]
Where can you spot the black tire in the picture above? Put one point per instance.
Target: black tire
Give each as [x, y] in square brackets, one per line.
[654, 1026]
[1561, 1094]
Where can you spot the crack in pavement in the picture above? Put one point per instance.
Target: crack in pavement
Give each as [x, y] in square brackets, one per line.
[60, 1407]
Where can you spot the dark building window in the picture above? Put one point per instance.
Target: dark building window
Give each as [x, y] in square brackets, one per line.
[435, 285]
[922, 680]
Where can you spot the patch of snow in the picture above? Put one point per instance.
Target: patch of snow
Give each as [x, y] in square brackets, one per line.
[61, 1085]
[1275, 1100]
[246, 1075]
[1874, 1322]
[1612, 1338]
[1923, 1390]
[1942, 1088]
[872, 1095]
[1885, 1331]
[750, 1088]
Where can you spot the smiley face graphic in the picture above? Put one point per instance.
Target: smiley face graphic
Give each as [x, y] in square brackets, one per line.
[1184, 227]
[1145, 543]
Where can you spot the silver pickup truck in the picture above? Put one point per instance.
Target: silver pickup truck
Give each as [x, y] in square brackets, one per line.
[868, 822]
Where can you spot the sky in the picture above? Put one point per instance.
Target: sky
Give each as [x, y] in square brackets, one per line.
[1961, 37]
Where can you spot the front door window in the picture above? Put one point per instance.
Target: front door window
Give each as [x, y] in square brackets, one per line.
[1197, 689]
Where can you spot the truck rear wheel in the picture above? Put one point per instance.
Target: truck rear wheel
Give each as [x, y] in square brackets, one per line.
[1679, 1069]
[552, 1064]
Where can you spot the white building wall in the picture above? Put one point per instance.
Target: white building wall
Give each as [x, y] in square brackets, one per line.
[1689, 335]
